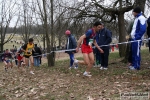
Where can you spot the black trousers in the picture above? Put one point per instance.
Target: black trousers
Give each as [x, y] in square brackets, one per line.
[104, 57]
[149, 44]
[130, 54]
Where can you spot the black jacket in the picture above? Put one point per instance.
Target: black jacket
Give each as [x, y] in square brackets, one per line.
[37, 52]
[103, 37]
[71, 44]
[148, 28]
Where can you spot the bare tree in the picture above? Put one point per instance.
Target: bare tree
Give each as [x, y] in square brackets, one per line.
[107, 13]
[7, 13]
[27, 20]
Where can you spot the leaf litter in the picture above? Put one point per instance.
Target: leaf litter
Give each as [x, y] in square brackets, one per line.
[59, 83]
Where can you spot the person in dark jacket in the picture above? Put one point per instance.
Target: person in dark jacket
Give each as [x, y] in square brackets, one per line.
[7, 59]
[148, 31]
[36, 55]
[103, 38]
[71, 44]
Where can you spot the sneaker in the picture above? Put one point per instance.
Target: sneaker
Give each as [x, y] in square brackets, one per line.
[105, 68]
[31, 72]
[101, 68]
[87, 74]
[75, 67]
[75, 61]
[132, 68]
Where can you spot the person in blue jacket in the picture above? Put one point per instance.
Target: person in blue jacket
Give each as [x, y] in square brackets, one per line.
[137, 33]
[104, 37]
[71, 44]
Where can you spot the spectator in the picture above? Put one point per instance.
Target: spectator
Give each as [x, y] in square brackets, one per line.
[37, 54]
[104, 38]
[71, 44]
[138, 30]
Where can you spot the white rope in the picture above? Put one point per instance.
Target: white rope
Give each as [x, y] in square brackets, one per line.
[58, 51]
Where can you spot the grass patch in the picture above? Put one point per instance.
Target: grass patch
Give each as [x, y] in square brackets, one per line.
[117, 71]
[144, 72]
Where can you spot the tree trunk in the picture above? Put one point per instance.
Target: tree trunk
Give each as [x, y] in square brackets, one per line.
[128, 46]
[1, 48]
[46, 32]
[44, 41]
[122, 34]
[52, 55]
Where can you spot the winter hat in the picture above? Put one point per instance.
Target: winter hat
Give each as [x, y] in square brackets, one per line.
[137, 10]
[67, 32]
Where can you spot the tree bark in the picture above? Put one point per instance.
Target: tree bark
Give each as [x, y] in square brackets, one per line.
[52, 54]
[46, 32]
[122, 34]
[1, 48]
[44, 40]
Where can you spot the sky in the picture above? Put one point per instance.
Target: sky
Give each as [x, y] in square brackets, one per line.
[15, 9]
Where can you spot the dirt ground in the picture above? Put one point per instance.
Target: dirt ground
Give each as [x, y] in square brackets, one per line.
[60, 83]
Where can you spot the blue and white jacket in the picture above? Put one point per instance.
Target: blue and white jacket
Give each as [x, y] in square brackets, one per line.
[139, 27]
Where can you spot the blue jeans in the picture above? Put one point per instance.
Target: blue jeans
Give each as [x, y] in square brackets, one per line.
[71, 55]
[36, 61]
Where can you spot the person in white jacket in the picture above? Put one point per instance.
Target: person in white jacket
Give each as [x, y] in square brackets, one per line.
[137, 33]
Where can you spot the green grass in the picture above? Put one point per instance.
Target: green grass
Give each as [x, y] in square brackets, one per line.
[116, 67]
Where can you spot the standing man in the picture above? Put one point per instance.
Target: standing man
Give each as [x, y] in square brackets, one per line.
[88, 39]
[103, 38]
[27, 49]
[138, 30]
[71, 44]
[37, 55]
